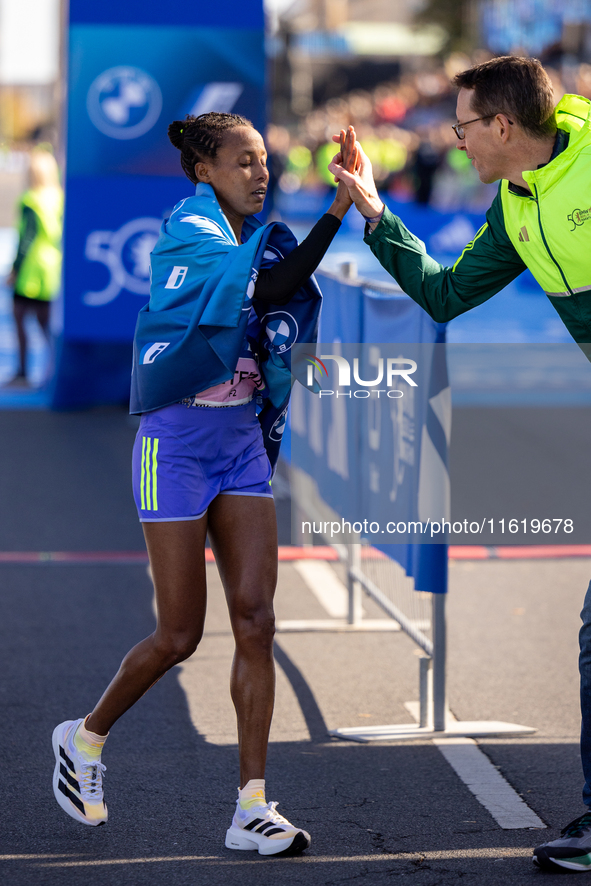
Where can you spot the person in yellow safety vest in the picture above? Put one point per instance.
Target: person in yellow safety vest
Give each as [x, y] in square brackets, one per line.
[35, 275]
[541, 220]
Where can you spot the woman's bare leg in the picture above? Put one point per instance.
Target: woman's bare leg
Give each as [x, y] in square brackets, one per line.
[177, 560]
[243, 533]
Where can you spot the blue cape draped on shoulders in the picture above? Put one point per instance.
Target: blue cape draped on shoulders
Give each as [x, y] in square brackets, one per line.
[190, 334]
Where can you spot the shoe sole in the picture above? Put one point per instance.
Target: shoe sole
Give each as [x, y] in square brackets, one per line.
[558, 864]
[63, 801]
[236, 838]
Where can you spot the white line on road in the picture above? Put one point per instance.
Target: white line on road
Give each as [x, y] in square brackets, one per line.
[482, 778]
[326, 586]
[493, 852]
[487, 784]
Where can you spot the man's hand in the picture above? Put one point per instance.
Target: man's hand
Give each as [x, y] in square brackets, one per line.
[358, 179]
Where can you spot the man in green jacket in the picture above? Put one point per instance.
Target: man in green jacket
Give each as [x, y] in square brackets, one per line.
[541, 220]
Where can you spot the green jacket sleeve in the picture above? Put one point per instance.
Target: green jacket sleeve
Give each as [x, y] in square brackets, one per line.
[487, 264]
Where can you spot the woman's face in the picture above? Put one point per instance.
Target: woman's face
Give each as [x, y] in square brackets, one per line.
[239, 174]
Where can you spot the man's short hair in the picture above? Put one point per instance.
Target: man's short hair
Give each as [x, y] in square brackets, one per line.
[517, 87]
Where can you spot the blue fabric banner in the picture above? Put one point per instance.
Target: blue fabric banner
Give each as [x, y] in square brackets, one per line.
[375, 439]
[149, 12]
[133, 68]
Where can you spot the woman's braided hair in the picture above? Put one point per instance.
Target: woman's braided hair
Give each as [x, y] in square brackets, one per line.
[198, 138]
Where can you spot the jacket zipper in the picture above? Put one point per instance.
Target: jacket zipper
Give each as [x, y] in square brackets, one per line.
[545, 242]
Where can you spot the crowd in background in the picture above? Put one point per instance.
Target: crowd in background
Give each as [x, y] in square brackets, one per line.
[405, 129]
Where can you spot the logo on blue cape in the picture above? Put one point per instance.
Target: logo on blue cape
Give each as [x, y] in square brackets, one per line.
[250, 290]
[276, 432]
[152, 350]
[177, 277]
[281, 329]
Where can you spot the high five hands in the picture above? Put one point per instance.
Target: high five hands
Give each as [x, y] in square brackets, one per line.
[349, 157]
[351, 167]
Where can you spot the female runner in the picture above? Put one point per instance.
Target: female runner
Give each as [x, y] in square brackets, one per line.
[205, 348]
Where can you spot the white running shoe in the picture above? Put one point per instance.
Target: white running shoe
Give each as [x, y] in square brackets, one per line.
[262, 828]
[77, 783]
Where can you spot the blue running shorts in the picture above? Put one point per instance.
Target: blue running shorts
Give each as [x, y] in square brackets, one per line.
[186, 455]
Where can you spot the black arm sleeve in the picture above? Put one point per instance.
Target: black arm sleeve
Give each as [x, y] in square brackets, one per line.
[28, 234]
[280, 282]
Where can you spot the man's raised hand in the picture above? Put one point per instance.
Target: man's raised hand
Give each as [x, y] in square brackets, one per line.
[352, 167]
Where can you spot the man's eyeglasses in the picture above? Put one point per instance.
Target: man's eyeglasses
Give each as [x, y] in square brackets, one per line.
[458, 128]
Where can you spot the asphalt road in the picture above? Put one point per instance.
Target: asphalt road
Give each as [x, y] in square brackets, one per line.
[377, 813]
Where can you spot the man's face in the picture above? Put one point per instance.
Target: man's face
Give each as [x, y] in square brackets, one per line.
[480, 142]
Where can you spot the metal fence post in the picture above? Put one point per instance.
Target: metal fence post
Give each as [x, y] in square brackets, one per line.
[354, 614]
[439, 658]
[425, 692]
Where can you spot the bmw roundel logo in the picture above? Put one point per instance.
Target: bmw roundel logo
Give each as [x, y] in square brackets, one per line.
[124, 102]
[281, 329]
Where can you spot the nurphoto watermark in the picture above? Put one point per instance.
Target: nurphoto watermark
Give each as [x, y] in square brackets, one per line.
[376, 456]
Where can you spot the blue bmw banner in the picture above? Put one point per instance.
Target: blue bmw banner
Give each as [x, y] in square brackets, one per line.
[132, 68]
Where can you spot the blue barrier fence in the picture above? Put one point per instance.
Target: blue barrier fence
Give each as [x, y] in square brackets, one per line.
[380, 459]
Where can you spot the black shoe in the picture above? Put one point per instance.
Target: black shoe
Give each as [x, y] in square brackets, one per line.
[572, 850]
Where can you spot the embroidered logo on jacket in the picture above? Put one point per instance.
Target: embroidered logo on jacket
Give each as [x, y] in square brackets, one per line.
[578, 216]
[523, 235]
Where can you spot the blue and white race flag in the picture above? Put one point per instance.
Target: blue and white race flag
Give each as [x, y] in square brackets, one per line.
[190, 334]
